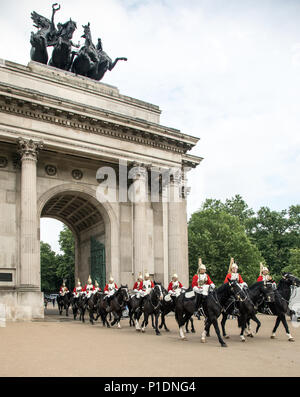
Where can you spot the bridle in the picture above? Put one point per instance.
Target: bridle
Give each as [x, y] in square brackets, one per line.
[155, 307]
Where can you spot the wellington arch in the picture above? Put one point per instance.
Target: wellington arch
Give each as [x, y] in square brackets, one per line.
[56, 131]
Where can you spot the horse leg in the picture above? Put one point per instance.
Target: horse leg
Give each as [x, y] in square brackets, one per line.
[137, 318]
[192, 326]
[187, 327]
[180, 322]
[275, 327]
[156, 324]
[206, 330]
[284, 322]
[258, 324]
[145, 322]
[243, 326]
[152, 320]
[163, 323]
[223, 322]
[162, 320]
[217, 329]
[91, 316]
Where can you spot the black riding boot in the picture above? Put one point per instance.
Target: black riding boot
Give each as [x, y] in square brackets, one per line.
[142, 303]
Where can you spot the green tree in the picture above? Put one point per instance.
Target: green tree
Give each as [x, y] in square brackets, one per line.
[66, 261]
[215, 236]
[275, 233]
[49, 279]
[235, 206]
[294, 263]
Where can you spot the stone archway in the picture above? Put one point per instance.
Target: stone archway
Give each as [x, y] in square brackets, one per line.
[89, 220]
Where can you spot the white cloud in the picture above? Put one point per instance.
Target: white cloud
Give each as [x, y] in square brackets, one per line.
[227, 72]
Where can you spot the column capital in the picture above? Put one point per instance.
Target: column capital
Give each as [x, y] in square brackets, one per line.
[28, 148]
[175, 175]
[138, 171]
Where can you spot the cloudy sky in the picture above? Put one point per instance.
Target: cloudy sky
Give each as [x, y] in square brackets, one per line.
[227, 72]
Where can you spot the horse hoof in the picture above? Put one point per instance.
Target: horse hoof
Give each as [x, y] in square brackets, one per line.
[243, 340]
[272, 337]
[183, 339]
[224, 345]
[158, 333]
[227, 337]
[193, 331]
[203, 340]
[167, 330]
[291, 340]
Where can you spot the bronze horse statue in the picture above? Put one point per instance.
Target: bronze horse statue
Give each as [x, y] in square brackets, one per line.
[45, 37]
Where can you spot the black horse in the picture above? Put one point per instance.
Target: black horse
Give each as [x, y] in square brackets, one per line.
[280, 306]
[92, 305]
[63, 302]
[152, 306]
[186, 305]
[214, 303]
[247, 306]
[82, 306]
[168, 307]
[133, 307]
[117, 304]
[74, 304]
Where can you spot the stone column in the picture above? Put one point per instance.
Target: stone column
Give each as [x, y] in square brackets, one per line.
[29, 253]
[177, 229]
[138, 196]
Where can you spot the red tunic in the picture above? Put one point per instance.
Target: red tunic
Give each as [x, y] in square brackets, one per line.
[228, 277]
[170, 288]
[84, 289]
[106, 287]
[195, 281]
[138, 285]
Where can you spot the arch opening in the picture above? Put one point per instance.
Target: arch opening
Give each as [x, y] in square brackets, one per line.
[83, 215]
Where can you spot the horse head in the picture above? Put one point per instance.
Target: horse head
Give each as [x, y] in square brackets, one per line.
[87, 31]
[124, 292]
[157, 290]
[291, 279]
[237, 291]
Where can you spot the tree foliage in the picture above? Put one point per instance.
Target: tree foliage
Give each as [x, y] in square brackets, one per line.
[216, 236]
[274, 235]
[58, 267]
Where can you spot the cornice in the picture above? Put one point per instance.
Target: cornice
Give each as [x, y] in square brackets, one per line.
[92, 114]
[27, 107]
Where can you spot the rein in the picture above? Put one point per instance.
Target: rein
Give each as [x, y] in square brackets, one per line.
[154, 307]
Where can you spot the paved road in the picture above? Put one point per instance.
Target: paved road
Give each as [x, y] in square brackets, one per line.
[59, 346]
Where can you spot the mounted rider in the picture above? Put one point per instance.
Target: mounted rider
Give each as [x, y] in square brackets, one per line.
[89, 288]
[145, 288]
[201, 282]
[265, 276]
[234, 275]
[77, 290]
[97, 287]
[175, 286]
[63, 289]
[110, 289]
[138, 285]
